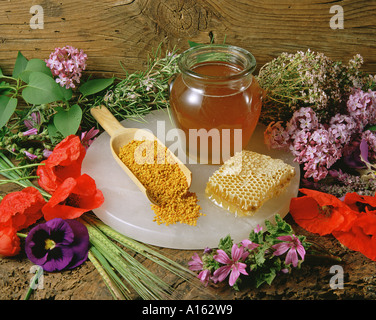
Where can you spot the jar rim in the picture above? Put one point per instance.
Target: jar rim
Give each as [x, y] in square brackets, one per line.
[247, 68]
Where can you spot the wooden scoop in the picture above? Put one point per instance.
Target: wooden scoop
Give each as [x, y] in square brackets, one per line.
[120, 136]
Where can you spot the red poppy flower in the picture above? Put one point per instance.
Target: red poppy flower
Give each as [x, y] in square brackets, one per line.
[22, 208]
[9, 242]
[64, 161]
[360, 203]
[72, 198]
[362, 235]
[321, 213]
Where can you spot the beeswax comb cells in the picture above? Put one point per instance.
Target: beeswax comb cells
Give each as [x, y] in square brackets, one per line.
[247, 180]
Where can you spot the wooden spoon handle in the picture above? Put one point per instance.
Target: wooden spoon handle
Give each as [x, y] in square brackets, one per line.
[106, 119]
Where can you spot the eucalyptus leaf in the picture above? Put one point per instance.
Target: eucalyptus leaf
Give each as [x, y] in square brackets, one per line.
[94, 86]
[34, 65]
[66, 93]
[54, 134]
[68, 121]
[41, 89]
[20, 65]
[5, 88]
[7, 108]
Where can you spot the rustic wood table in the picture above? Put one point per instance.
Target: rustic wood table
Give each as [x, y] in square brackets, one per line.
[127, 31]
[313, 281]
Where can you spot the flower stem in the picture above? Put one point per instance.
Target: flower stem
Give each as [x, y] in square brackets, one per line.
[319, 251]
[22, 167]
[21, 235]
[33, 283]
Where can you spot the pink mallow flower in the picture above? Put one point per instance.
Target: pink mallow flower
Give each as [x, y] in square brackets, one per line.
[232, 265]
[196, 264]
[248, 244]
[291, 244]
[67, 64]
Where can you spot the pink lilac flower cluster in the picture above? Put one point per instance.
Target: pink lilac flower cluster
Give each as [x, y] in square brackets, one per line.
[236, 263]
[319, 146]
[370, 138]
[67, 64]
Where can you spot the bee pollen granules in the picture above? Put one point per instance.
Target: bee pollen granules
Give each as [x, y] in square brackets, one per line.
[155, 169]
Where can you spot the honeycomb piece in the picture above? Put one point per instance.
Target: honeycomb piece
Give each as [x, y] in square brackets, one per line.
[247, 180]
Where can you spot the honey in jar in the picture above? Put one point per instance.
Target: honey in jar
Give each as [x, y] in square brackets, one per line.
[215, 101]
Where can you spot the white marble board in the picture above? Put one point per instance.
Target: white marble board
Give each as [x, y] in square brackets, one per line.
[128, 211]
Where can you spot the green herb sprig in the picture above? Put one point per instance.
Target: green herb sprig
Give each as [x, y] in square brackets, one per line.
[309, 79]
[139, 92]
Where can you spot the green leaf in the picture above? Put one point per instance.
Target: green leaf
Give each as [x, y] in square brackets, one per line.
[54, 134]
[373, 128]
[5, 88]
[7, 107]
[68, 121]
[20, 65]
[94, 86]
[66, 93]
[41, 89]
[34, 65]
[225, 243]
[1, 73]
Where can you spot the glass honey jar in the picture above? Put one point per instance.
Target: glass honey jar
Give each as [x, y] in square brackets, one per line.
[215, 101]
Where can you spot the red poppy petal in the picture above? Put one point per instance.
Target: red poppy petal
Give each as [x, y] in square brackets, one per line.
[72, 198]
[352, 199]
[47, 178]
[362, 236]
[62, 211]
[321, 213]
[67, 151]
[62, 192]
[64, 162]
[323, 199]
[9, 242]
[305, 212]
[22, 208]
[85, 185]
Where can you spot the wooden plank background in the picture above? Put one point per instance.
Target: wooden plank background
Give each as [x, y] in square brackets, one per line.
[110, 31]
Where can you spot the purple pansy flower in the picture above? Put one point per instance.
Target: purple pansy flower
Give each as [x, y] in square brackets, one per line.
[58, 244]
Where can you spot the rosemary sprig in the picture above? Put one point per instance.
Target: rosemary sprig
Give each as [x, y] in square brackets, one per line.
[139, 92]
